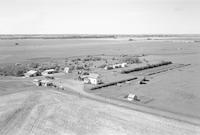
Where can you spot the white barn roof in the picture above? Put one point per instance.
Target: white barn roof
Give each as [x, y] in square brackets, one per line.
[50, 70]
[31, 72]
[93, 75]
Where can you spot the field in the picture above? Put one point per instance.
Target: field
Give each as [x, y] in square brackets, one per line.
[27, 109]
[52, 113]
[27, 49]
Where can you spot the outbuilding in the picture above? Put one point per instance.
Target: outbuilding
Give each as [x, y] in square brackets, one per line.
[67, 70]
[86, 80]
[49, 71]
[108, 67]
[121, 65]
[32, 73]
[37, 82]
[124, 65]
[131, 97]
[94, 78]
[46, 83]
[117, 66]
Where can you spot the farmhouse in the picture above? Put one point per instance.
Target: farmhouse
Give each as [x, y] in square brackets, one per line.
[49, 71]
[32, 73]
[91, 78]
[94, 78]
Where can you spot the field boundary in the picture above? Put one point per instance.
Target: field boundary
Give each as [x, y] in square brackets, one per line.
[113, 83]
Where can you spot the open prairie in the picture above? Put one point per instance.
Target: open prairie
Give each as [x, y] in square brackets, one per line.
[37, 110]
[56, 48]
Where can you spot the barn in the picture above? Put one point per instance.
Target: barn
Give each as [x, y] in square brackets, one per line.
[49, 71]
[32, 73]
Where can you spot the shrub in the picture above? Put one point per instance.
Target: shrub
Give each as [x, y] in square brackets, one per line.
[86, 59]
[113, 58]
[79, 67]
[96, 58]
[102, 66]
[12, 70]
[34, 65]
[131, 60]
[130, 39]
[47, 66]
[20, 72]
[91, 58]
[76, 59]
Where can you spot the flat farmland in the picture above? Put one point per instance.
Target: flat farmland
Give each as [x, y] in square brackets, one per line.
[27, 109]
[53, 113]
[42, 48]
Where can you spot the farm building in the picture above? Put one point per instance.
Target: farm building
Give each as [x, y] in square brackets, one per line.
[117, 66]
[67, 70]
[86, 80]
[91, 78]
[131, 97]
[46, 83]
[94, 78]
[32, 73]
[49, 71]
[108, 67]
[37, 82]
[124, 64]
[121, 65]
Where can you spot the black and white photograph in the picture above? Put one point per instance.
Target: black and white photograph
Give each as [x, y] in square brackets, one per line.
[99, 67]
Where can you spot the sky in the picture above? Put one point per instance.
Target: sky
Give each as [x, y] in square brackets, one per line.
[99, 16]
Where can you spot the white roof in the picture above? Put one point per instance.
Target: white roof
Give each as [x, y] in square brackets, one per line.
[31, 72]
[131, 95]
[45, 81]
[49, 70]
[93, 75]
[84, 76]
[36, 80]
[118, 64]
[109, 66]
